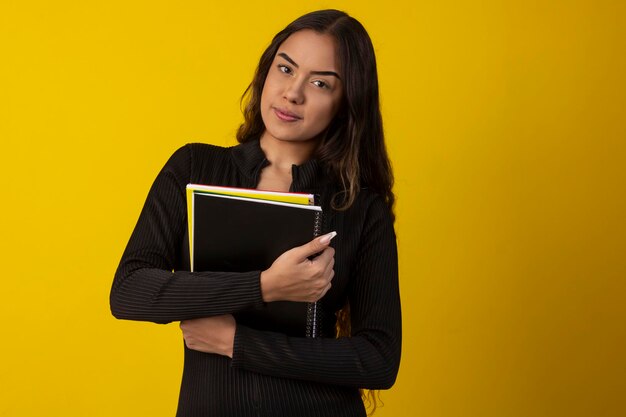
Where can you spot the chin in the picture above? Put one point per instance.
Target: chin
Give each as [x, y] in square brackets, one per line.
[294, 139]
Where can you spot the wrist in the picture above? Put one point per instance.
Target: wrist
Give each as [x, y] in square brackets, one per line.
[266, 286]
[230, 345]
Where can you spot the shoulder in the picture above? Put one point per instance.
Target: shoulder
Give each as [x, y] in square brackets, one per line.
[201, 153]
[370, 202]
[207, 150]
[193, 158]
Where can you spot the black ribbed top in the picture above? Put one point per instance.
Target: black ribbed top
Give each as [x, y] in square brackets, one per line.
[271, 373]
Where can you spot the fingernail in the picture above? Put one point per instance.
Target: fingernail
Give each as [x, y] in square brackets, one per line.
[327, 237]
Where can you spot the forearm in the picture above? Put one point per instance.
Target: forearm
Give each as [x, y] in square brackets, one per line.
[157, 295]
[364, 361]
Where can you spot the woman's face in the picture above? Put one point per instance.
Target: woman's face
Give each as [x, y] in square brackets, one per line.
[303, 88]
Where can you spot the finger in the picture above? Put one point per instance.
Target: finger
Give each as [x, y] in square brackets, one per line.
[325, 257]
[329, 272]
[325, 291]
[315, 246]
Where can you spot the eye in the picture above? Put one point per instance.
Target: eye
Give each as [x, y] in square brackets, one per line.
[284, 69]
[321, 84]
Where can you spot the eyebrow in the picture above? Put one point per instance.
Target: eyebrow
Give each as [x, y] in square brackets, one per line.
[292, 62]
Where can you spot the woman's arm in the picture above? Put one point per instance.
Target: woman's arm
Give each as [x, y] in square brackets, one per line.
[146, 287]
[368, 359]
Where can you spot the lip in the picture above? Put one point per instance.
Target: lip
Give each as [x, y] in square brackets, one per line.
[285, 115]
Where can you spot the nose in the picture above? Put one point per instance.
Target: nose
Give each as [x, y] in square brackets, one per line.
[293, 92]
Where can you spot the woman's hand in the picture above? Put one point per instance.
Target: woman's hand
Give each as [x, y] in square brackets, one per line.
[295, 277]
[210, 334]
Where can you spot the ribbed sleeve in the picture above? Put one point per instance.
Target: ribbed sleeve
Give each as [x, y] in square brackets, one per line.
[146, 287]
[368, 359]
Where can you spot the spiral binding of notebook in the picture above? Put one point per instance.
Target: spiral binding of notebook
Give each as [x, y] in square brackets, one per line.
[313, 311]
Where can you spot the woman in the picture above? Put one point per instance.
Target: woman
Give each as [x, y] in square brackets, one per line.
[312, 124]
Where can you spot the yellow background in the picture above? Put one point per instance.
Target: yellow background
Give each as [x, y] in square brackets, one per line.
[506, 126]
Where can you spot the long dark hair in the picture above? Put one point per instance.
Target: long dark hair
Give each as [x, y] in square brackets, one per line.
[353, 146]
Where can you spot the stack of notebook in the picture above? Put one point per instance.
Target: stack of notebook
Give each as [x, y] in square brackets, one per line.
[240, 230]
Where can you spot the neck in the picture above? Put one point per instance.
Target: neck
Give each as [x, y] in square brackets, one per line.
[283, 154]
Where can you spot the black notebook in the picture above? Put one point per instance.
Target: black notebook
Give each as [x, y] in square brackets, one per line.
[239, 234]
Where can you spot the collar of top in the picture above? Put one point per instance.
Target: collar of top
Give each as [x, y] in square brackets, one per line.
[250, 160]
